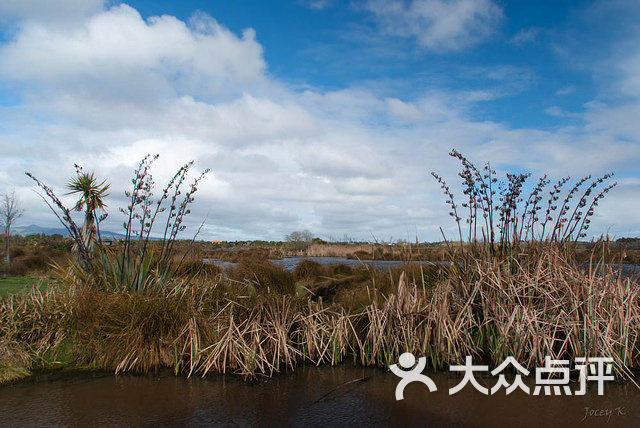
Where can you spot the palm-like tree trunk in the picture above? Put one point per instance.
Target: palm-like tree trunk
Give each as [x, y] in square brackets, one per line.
[88, 234]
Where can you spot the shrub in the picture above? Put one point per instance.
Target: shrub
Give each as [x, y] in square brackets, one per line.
[193, 266]
[17, 252]
[132, 265]
[35, 262]
[18, 268]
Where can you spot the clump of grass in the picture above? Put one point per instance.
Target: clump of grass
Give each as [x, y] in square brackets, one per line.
[263, 275]
[309, 269]
[340, 269]
[192, 266]
[137, 331]
[13, 361]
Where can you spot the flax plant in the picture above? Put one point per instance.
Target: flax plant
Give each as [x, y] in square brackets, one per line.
[511, 218]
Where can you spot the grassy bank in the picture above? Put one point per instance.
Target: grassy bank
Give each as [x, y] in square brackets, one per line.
[260, 319]
[16, 284]
[22, 284]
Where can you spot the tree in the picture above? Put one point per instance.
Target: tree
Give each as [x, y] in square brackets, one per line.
[10, 211]
[299, 237]
[92, 195]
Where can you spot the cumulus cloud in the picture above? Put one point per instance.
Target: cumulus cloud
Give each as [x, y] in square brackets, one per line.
[118, 54]
[439, 25]
[112, 86]
[406, 112]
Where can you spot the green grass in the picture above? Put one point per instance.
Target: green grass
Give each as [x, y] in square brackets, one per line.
[17, 284]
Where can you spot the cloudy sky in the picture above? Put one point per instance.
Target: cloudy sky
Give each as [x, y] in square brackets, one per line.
[320, 114]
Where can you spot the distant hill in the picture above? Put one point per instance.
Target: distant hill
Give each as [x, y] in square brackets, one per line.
[34, 229]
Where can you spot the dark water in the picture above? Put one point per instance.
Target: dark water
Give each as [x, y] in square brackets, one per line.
[309, 396]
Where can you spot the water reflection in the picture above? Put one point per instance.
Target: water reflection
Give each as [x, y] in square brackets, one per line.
[310, 396]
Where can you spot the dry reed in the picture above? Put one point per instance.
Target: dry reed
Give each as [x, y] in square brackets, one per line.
[540, 305]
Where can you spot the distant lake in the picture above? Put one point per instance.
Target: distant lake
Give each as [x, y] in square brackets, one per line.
[289, 263]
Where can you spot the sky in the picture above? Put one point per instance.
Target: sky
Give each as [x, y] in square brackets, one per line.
[320, 114]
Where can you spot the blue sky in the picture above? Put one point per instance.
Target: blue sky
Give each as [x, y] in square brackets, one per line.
[322, 114]
[337, 45]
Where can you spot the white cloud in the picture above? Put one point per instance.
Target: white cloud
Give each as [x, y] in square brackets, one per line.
[118, 54]
[317, 4]
[439, 25]
[619, 121]
[560, 112]
[628, 69]
[525, 36]
[406, 112]
[112, 86]
[565, 90]
[354, 160]
[554, 111]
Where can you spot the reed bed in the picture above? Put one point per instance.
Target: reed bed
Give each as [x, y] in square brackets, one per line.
[542, 304]
[513, 287]
[375, 251]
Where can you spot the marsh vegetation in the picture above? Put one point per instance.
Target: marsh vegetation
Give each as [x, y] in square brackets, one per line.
[515, 284]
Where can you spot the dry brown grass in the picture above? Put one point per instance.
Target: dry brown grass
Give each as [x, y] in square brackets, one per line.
[262, 275]
[407, 252]
[540, 304]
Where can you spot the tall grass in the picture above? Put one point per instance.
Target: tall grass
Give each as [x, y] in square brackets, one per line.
[542, 305]
[501, 295]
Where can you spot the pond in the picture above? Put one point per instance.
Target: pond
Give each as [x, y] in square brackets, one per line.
[289, 263]
[309, 396]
